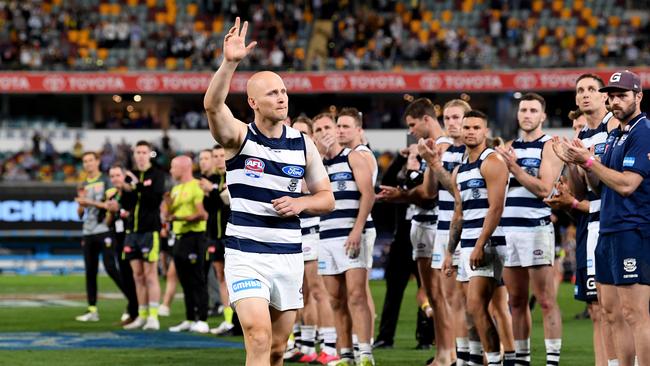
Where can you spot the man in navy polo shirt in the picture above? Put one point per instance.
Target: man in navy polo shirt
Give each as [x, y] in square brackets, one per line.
[623, 250]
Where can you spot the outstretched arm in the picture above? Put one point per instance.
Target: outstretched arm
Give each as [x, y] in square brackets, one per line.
[225, 128]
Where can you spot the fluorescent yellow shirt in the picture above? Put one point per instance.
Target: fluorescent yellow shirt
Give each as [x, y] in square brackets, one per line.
[185, 196]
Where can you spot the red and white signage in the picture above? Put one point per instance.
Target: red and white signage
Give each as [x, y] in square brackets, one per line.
[305, 82]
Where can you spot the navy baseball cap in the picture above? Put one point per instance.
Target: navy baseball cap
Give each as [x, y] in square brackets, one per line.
[623, 81]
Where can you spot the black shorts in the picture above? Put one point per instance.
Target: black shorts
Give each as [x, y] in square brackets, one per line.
[142, 246]
[216, 250]
[164, 245]
[585, 287]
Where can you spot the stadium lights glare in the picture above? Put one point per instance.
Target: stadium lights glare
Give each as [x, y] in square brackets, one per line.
[130, 108]
[117, 98]
[137, 98]
[517, 95]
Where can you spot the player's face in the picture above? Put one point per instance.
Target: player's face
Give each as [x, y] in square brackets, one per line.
[579, 123]
[474, 131]
[453, 117]
[141, 155]
[417, 127]
[302, 127]
[347, 130]
[588, 98]
[324, 127]
[175, 170]
[530, 115]
[272, 101]
[117, 177]
[90, 163]
[205, 162]
[623, 104]
[219, 158]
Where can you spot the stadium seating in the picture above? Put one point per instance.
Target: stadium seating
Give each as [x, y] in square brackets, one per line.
[181, 35]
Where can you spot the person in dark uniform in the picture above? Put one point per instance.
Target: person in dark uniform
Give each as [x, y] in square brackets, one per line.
[145, 186]
[116, 218]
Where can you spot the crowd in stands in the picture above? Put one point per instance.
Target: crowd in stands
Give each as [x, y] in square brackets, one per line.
[321, 34]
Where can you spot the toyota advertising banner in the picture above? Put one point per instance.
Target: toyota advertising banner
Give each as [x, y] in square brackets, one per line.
[305, 82]
[38, 210]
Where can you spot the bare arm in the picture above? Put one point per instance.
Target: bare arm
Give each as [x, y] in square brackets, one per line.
[623, 183]
[456, 226]
[432, 154]
[495, 173]
[225, 128]
[363, 179]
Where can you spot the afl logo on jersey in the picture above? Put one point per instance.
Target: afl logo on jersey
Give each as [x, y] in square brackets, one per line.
[293, 171]
[254, 168]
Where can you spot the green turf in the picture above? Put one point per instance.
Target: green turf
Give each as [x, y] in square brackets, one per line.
[576, 348]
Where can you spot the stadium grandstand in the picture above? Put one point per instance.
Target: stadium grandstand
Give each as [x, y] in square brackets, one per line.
[104, 80]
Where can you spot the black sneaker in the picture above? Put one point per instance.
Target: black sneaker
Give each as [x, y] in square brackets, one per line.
[380, 343]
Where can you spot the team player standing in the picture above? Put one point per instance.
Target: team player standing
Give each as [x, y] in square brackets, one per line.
[486, 200]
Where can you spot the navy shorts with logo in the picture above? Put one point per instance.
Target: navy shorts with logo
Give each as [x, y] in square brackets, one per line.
[585, 287]
[143, 246]
[623, 258]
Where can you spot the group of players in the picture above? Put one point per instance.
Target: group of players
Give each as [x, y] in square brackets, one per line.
[133, 220]
[300, 208]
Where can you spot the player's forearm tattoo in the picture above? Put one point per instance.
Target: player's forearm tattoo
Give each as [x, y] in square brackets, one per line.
[455, 229]
[444, 177]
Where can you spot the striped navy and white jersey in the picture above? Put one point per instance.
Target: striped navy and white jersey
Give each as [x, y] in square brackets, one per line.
[339, 223]
[265, 169]
[375, 172]
[450, 160]
[309, 224]
[596, 137]
[523, 208]
[474, 198]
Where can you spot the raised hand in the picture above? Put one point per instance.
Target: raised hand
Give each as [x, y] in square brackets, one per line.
[429, 151]
[508, 154]
[234, 43]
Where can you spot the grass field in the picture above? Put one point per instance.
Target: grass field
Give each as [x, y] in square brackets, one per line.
[576, 348]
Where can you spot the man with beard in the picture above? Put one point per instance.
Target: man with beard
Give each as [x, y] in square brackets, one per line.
[621, 255]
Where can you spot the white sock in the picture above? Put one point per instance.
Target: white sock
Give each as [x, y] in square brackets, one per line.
[355, 346]
[493, 358]
[365, 349]
[553, 347]
[522, 351]
[462, 351]
[475, 353]
[329, 340]
[613, 362]
[308, 339]
[346, 353]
